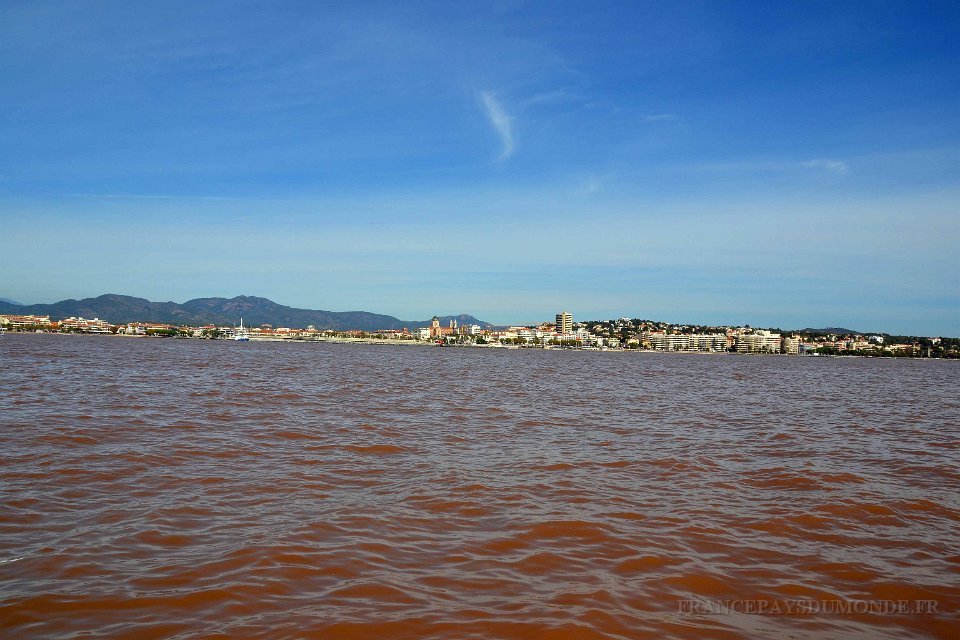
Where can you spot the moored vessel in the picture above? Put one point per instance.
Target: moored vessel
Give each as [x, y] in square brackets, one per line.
[241, 334]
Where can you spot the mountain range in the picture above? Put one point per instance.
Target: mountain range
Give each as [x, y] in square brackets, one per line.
[118, 309]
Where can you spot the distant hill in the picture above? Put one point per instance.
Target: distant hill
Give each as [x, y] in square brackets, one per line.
[9, 301]
[119, 309]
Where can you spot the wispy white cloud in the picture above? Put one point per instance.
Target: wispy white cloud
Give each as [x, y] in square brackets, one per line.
[502, 122]
[555, 97]
[591, 184]
[835, 167]
[661, 117]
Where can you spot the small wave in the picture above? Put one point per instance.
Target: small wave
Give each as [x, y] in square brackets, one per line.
[379, 449]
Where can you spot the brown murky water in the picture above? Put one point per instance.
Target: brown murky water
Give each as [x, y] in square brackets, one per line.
[164, 488]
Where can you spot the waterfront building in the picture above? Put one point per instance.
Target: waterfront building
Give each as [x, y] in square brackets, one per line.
[22, 322]
[708, 341]
[759, 342]
[585, 338]
[564, 322]
[85, 325]
[526, 334]
[791, 345]
[663, 341]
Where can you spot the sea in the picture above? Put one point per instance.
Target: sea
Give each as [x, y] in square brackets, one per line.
[167, 488]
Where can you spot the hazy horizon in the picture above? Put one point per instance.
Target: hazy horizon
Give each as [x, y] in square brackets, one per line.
[772, 164]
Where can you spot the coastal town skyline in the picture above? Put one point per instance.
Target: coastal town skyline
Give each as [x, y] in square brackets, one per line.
[710, 163]
[12, 308]
[623, 333]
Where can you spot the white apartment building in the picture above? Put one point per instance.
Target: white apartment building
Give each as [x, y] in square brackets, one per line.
[791, 345]
[759, 342]
[663, 341]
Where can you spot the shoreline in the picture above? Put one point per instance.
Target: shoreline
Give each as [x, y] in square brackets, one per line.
[421, 343]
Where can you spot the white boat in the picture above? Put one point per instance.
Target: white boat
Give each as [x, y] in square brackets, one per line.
[241, 334]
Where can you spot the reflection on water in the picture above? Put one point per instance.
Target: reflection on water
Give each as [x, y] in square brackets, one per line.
[156, 488]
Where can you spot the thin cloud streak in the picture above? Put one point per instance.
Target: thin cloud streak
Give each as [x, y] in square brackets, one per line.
[500, 121]
[660, 117]
[833, 166]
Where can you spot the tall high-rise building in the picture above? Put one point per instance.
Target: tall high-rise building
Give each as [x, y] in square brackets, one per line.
[564, 322]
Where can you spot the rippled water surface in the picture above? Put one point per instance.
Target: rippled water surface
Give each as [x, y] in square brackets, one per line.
[184, 488]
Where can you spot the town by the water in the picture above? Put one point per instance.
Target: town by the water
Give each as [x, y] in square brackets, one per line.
[625, 334]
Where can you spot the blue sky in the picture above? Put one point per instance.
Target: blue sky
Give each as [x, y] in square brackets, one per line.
[781, 164]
